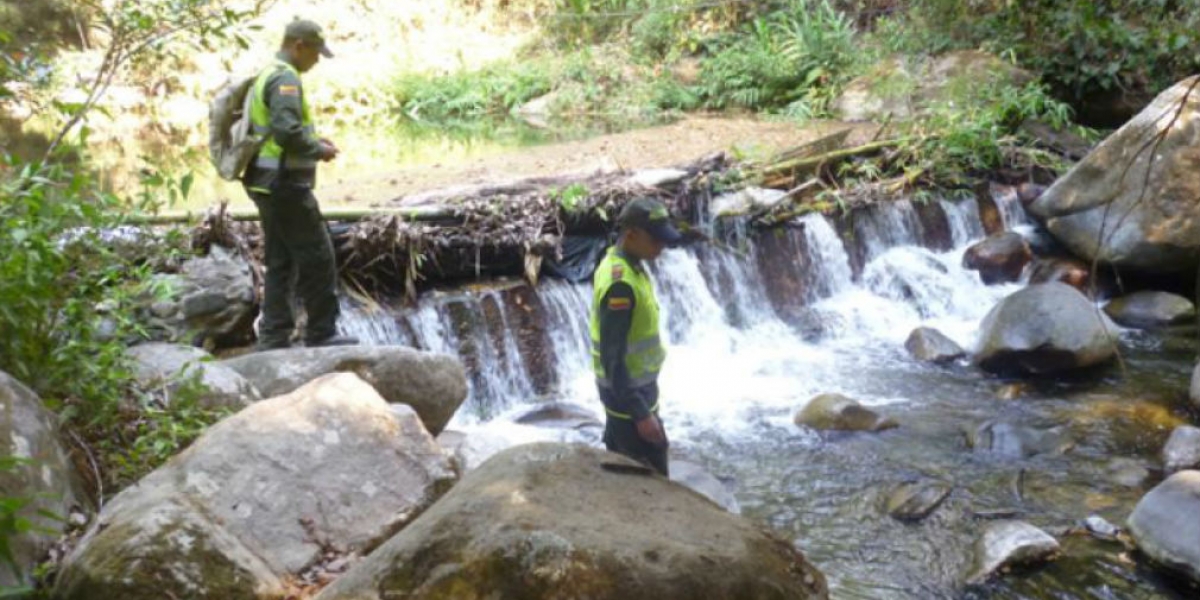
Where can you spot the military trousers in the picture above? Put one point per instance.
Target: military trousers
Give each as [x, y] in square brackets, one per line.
[299, 260]
[621, 436]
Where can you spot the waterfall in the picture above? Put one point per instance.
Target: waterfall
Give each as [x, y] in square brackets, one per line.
[733, 360]
[1008, 202]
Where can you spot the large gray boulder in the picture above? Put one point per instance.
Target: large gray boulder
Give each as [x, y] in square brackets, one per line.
[1182, 450]
[1007, 544]
[906, 87]
[1165, 527]
[1147, 310]
[1045, 328]
[261, 496]
[210, 302]
[835, 412]
[1155, 229]
[435, 385]
[176, 369]
[1001, 258]
[43, 474]
[556, 521]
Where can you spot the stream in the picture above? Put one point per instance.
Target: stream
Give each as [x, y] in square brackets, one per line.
[739, 367]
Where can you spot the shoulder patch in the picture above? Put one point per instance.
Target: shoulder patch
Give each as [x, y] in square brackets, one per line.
[618, 271]
[289, 90]
[620, 303]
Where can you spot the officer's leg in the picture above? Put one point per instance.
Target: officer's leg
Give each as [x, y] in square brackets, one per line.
[312, 251]
[621, 437]
[275, 329]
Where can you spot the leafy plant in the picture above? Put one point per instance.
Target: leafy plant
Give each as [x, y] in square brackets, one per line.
[14, 522]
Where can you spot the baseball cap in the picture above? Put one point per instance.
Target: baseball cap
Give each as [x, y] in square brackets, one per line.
[310, 32]
[651, 216]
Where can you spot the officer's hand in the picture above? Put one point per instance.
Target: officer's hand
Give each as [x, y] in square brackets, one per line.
[650, 429]
[328, 151]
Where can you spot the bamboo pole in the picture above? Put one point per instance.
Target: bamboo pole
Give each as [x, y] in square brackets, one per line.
[416, 213]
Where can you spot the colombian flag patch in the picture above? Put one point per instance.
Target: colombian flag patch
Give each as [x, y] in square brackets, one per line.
[289, 90]
[618, 271]
[620, 303]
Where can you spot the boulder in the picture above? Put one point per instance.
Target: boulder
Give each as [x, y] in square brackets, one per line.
[931, 345]
[1165, 527]
[556, 521]
[1007, 544]
[704, 483]
[1001, 258]
[1194, 389]
[1182, 450]
[1153, 230]
[560, 415]
[1127, 472]
[1045, 328]
[840, 413]
[435, 385]
[189, 370]
[42, 474]
[1016, 441]
[915, 500]
[1100, 528]
[904, 88]
[1070, 271]
[261, 496]
[1148, 310]
[210, 302]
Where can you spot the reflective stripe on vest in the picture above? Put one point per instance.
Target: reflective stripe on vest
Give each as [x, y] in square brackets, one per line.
[260, 118]
[644, 351]
[627, 416]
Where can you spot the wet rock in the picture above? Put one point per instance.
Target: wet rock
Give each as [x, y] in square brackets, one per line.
[746, 201]
[1182, 450]
[931, 345]
[1127, 472]
[840, 413]
[1006, 544]
[1100, 528]
[1070, 271]
[1000, 258]
[29, 433]
[435, 385]
[704, 483]
[189, 370]
[1165, 527]
[548, 521]
[1155, 230]
[1148, 310]
[902, 88]
[563, 415]
[211, 302]
[1011, 391]
[1045, 328]
[1194, 390]
[914, 501]
[260, 496]
[653, 178]
[1016, 441]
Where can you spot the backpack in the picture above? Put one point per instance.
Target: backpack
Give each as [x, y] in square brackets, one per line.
[232, 143]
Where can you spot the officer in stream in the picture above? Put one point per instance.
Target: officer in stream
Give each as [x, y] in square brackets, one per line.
[627, 351]
[280, 181]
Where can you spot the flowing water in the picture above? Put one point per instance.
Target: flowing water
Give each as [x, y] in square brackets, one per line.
[738, 369]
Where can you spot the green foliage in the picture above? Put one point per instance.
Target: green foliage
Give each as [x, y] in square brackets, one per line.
[15, 521]
[796, 55]
[1080, 47]
[496, 89]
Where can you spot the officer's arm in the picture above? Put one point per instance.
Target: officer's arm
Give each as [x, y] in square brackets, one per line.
[616, 318]
[284, 99]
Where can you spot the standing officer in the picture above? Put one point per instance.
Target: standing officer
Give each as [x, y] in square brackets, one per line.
[299, 252]
[627, 352]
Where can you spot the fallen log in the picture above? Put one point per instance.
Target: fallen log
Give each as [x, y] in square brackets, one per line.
[414, 213]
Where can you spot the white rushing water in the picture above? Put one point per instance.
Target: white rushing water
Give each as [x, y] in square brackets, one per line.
[727, 377]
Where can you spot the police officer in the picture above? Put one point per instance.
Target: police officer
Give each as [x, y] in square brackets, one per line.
[627, 351]
[299, 252]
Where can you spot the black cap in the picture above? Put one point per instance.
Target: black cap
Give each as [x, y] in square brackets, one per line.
[310, 33]
[651, 216]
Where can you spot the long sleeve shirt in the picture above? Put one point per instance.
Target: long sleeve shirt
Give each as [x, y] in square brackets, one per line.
[616, 318]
